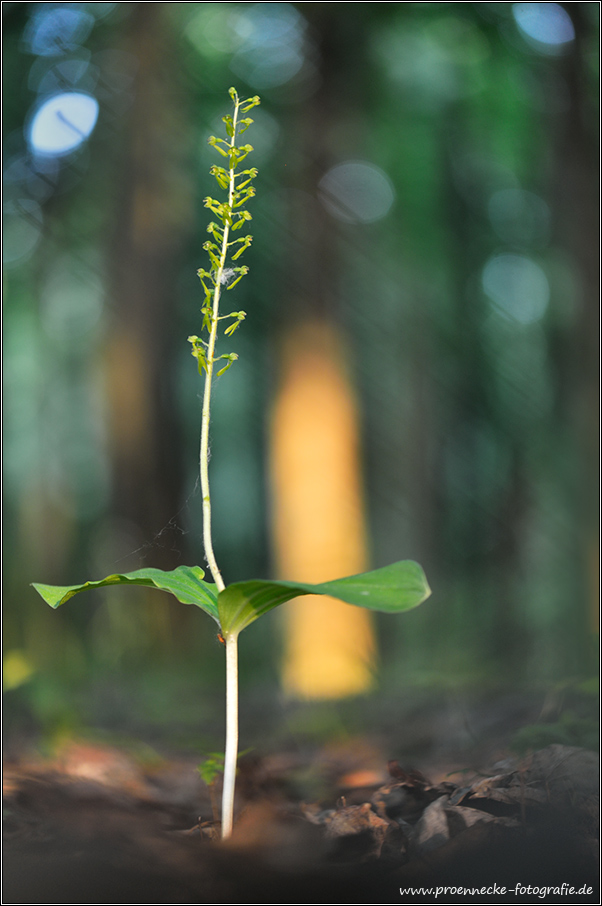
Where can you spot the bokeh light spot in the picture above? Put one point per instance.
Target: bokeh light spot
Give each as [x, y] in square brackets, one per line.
[72, 301]
[519, 217]
[266, 132]
[16, 669]
[55, 30]
[62, 122]
[546, 26]
[22, 230]
[29, 176]
[266, 40]
[272, 52]
[435, 62]
[76, 73]
[356, 192]
[213, 29]
[517, 286]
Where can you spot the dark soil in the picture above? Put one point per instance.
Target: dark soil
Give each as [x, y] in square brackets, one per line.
[94, 827]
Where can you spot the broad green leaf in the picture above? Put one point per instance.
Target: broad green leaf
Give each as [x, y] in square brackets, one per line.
[392, 589]
[185, 583]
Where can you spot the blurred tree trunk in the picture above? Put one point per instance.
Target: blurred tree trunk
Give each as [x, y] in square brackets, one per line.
[318, 515]
[578, 225]
[150, 217]
[317, 497]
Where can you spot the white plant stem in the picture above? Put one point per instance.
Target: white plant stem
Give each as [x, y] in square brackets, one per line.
[231, 754]
[210, 363]
[204, 463]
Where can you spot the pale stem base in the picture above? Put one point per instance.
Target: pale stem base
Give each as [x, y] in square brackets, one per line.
[231, 734]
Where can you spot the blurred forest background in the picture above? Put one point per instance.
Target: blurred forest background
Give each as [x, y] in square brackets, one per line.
[425, 251]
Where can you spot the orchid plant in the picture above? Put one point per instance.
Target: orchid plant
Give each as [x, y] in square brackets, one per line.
[392, 589]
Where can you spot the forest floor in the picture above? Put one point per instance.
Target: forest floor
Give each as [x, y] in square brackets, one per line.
[339, 825]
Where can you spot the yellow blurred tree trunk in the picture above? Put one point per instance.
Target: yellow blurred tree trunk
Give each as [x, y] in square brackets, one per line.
[318, 516]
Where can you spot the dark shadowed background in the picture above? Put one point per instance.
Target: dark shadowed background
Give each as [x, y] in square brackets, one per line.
[426, 207]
